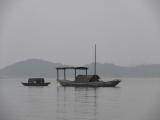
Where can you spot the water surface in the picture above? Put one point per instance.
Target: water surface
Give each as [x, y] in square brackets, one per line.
[133, 99]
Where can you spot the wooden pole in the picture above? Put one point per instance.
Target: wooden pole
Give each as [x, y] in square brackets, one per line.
[64, 74]
[95, 62]
[75, 73]
[57, 74]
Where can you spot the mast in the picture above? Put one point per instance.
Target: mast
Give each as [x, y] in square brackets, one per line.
[95, 62]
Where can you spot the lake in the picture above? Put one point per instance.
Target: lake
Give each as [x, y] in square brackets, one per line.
[132, 99]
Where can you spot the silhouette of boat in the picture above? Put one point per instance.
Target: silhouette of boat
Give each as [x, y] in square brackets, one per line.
[36, 82]
[85, 80]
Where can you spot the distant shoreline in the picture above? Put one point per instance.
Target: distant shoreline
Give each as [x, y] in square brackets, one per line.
[41, 68]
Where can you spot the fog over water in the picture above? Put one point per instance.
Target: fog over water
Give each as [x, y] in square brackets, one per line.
[126, 31]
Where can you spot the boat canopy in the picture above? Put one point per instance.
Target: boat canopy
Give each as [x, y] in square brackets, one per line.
[74, 68]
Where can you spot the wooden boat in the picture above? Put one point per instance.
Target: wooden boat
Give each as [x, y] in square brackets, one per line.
[36, 82]
[89, 81]
[85, 80]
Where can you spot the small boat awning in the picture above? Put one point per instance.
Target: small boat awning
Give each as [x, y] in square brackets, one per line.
[36, 80]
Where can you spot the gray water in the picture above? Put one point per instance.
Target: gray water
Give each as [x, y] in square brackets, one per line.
[133, 99]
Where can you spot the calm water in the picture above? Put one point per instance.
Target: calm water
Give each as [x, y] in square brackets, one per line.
[133, 99]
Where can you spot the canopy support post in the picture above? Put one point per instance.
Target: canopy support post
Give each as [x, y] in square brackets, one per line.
[57, 74]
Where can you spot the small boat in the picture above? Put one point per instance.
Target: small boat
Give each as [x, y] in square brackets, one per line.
[36, 82]
[85, 80]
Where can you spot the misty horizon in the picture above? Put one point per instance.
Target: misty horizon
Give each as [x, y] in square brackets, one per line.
[39, 68]
[92, 62]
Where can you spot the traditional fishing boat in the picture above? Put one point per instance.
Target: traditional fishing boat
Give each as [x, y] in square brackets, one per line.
[36, 82]
[85, 80]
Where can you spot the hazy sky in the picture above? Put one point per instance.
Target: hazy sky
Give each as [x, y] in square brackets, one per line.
[126, 32]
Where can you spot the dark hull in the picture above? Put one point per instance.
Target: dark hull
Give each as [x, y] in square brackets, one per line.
[36, 84]
[112, 83]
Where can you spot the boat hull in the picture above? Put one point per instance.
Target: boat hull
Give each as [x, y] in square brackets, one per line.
[35, 84]
[112, 83]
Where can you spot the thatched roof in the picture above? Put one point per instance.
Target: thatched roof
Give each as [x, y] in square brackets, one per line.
[87, 78]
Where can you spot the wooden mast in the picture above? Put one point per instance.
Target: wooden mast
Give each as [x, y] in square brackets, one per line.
[95, 62]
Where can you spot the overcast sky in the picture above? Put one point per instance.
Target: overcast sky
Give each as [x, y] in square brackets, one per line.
[127, 32]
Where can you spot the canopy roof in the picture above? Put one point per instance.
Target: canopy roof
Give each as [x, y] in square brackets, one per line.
[80, 68]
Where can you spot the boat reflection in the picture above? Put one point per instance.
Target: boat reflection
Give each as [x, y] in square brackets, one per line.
[76, 103]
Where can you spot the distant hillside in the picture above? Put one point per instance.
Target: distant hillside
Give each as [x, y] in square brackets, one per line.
[107, 70]
[111, 70]
[30, 68]
[41, 68]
